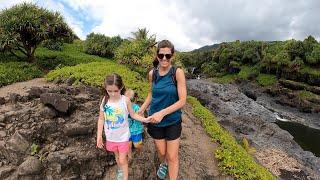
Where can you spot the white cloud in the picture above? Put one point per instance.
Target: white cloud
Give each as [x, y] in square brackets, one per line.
[123, 17]
[190, 24]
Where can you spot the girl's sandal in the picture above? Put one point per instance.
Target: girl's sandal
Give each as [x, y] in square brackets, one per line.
[120, 175]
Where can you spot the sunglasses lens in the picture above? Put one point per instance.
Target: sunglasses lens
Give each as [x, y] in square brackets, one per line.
[168, 56]
[160, 56]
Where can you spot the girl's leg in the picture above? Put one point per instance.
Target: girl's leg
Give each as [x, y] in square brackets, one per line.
[116, 155]
[173, 158]
[130, 150]
[161, 149]
[138, 147]
[123, 164]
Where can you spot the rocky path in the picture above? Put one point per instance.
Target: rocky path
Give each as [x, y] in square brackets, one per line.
[65, 133]
[22, 87]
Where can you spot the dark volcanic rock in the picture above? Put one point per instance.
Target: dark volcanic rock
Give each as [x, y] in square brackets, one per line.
[2, 100]
[246, 118]
[59, 101]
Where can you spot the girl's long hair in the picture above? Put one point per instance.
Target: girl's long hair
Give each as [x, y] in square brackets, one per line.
[112, 79]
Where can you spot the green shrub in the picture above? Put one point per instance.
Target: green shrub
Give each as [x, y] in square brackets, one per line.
[34, 149]
[101, 45]
[93, 74]
[53, 45]
[248, 71]
[11, 72]
[70, 55]
[229, 78]
[233, 159]
[306, 95]
[267, 79]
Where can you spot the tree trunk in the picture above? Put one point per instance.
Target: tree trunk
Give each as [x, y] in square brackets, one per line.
[30, 55]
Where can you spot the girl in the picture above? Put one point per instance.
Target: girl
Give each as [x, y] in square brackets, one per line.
[136, 127]
[113, 117]
[167, 95]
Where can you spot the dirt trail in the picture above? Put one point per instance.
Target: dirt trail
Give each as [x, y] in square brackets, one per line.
[22, 87]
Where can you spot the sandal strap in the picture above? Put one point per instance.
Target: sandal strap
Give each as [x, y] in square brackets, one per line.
[162, 171]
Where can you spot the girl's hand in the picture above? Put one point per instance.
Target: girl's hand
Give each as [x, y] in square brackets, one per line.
[140, 112]
[157, 117]
[148, 119]
[100, 143]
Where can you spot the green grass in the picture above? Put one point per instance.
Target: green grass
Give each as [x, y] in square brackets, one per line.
[267, 79]
[312, 71]
[93, 74]
[14, 70]
[71, 55]
[233, 158]
[229, 78]
[11, 72]
[246, 71]
[306, 95]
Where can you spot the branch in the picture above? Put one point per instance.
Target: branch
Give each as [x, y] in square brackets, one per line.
[15, 54]
[33, 50]
[20, 49]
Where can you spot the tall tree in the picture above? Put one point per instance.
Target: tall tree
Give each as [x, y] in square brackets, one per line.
[23, 27]
[143, 35]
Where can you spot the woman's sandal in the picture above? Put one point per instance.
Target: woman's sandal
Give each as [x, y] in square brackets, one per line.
[162, 171]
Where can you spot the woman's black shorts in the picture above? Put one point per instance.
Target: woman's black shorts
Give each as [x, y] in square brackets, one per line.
[170, 132]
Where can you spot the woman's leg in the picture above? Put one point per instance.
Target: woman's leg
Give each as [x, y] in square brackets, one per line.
[172, 158]
[161, 149]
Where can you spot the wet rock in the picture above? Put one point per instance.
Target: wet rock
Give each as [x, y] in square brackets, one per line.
[59, 101]
[30, 167]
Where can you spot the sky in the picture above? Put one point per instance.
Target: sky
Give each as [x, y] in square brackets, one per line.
[190, 24]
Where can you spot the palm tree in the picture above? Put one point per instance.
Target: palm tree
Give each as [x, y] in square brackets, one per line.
[142, 35]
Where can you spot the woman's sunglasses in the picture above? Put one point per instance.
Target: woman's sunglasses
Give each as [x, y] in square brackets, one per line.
[161, 56]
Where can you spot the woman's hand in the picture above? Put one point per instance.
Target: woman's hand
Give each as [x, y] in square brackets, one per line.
[100, 143]
[157, 117]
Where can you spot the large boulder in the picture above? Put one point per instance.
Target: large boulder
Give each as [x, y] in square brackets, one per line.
[60, 102]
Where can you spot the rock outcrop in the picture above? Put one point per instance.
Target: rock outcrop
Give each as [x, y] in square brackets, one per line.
[246, 118]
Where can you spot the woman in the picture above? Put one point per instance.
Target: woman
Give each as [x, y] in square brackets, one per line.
[167, 95]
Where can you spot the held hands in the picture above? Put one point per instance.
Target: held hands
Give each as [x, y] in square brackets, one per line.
[156, 117]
